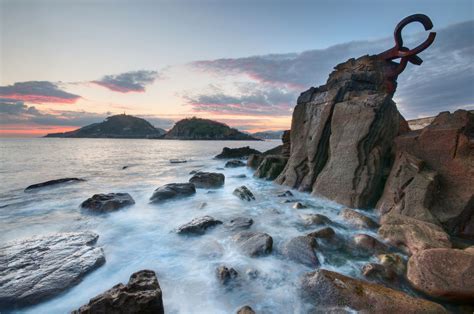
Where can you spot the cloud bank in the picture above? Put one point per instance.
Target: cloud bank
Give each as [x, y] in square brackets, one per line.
[38, 92]
[134, 81]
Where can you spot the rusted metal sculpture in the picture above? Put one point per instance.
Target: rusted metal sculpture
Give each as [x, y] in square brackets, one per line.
[400, 51]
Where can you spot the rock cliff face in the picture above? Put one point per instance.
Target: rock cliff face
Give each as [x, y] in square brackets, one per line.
[342, 134]
[433, 175]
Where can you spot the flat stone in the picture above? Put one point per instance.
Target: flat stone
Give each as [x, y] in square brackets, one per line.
[53, 182]
[104, 203]
[198, 225]
[171, 191]
[239, 223]
[142, 294]
[254, 244]
[39, 268]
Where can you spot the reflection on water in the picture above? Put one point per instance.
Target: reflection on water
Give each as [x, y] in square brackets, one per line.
[142, 236]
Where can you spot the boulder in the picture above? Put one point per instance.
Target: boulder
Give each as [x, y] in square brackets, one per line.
[244, 193]
[52, 182]
[241, 152]
[270, 167]
[207, 180]
[326, 289]
[239, 223]
[440, 185]
[357, 220]
[367, 244]
[142, 294]
[245, 310]
[323, 233]
[316, 219]
[254, 244]
[226, 274]
[103, 203]
[342, 134]
[412, 235]
[302, 250]
[39, 268]
[198, 225]
[443, 273]
[172, 190]
[234, 164]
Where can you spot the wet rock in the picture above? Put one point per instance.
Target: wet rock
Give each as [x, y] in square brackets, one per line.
[316, 219]
[226, 274]
[198, 225]
[254, 244]
[241, 152]
[178, 161]
[194, 171]
[240, 176]
[299, 205]
[239, 223]
[439, 184]
[142, 294]
[172, 190]
[357, 220]
[270, 167]
[443, 273]
[327, 289]
[287, 193]
[412, 235]
[368, 245]
[286, 139]
[342, 134]
[53, 182]
[252, 273]
[323, 233]
[378, 272]
[234, 164]
[254, 160]
[301, 250]
[394, 262]
[244, 193]
[125, 167]
[207, 180]
[246, 310]
[103, 203]
[39, 268]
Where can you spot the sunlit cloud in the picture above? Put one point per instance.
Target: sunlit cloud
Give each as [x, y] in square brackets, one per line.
[133, 81]
[38, 92]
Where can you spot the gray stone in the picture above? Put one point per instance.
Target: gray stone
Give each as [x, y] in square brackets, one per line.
[244, 193]
[239, 223]
[103, 203]
[234, 164]
[301, 250]
[207, 180]
[198, 225]
[226, 274]
[172, 190]
[254, 244]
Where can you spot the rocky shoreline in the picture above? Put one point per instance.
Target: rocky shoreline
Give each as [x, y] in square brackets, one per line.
[348, 143]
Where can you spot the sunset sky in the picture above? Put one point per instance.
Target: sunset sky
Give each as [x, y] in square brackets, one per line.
[65, 64]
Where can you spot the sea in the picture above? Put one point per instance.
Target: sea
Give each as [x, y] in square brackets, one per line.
[143, 235]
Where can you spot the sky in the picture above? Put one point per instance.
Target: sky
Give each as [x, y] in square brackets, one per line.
[66, 64]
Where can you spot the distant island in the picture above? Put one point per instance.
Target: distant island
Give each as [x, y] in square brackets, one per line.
[126, 126]
[268, 135]
[118, 126]
[204, 129]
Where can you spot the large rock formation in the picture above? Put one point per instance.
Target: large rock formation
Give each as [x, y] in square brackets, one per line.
[342, 133]
[40, 268]
[433, 176]
[142, 294]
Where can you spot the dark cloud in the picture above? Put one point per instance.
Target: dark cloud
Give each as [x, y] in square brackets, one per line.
[251, 99]
[16, 112]
[443, 82]
[38, 92]
[134, 81]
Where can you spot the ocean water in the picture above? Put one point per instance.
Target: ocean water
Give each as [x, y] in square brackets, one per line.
[142, 236]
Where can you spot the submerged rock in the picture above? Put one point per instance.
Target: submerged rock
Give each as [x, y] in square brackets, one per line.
[325, 289]
[52, 182]
[342, 134]
[245, 310]
[39, 268]
[299, 205]
[287, 193]
[301, 250]
[225, 274]
[412, 235]
[357, 220]
[198, 225]
[254, 244]
[103, 203]
[142, 294]
[234, 164]
[207, 180]
[241, 152]
[244, 193]
[172, 190]
[443, 273]
[239, 223]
